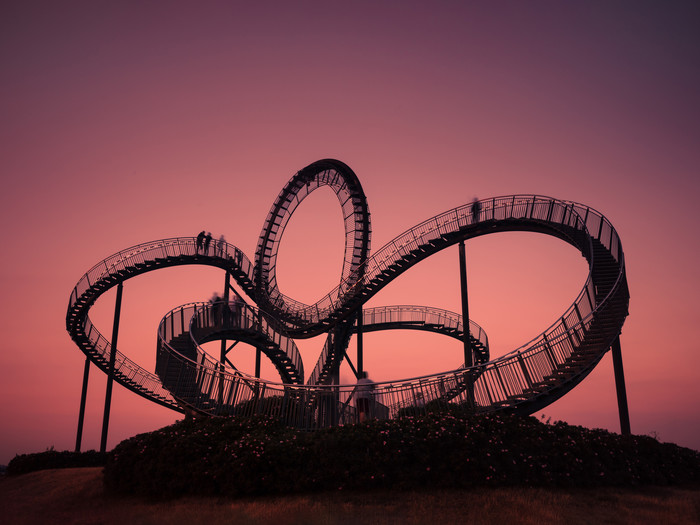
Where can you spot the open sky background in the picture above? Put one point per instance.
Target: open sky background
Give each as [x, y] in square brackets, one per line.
[125, 122]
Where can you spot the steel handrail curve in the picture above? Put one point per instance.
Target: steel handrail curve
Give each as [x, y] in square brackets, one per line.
[370, 313]
[107, 273]
[119, 260]
[261, 323]
[579, 299]
[542, 343]
[389, 255]
[370, 324]
[101, 359]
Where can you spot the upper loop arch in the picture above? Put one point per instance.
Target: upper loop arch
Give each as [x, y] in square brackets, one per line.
[347, 188]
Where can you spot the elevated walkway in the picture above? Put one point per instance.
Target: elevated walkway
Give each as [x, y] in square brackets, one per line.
[523, 381]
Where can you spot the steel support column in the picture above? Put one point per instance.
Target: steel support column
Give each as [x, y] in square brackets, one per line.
[83, 399]
[468, 359]
[258, 355]
[225, 318]
[465, 304]
[360, 348]
[620, 387]
[110, 374]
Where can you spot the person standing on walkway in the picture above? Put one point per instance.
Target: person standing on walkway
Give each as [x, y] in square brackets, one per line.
[207, 242]
[220, 245]
[476, 210]
[200, 240]
[363, 397]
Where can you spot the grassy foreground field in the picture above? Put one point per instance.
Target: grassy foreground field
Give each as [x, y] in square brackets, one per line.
[77, 496]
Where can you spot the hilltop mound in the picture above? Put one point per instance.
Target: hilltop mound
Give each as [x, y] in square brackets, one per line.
[234, 457]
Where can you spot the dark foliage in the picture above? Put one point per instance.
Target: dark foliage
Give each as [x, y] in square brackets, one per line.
[21, 464]
[256, 456]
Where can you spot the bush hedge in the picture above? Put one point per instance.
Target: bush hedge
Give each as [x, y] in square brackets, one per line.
[24, 463]
[260, 456]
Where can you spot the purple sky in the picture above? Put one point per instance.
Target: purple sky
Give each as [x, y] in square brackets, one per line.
[125, 122]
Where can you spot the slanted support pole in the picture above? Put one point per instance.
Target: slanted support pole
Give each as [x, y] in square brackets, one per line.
[110, 374]
[352, 366]
[620, 387]
[83, 399]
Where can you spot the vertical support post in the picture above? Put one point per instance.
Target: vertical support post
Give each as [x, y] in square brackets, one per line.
[83, 398]
[465, 304]
[620, 387]
[334, 397]
[110, 375]
[257, 362]
[360, 348]
[257, 350]
[468, 360]
[224, 319]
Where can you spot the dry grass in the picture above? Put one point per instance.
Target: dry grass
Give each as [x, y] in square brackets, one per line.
[76, 496]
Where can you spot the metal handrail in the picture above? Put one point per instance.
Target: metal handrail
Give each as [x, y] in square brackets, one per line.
[397, 313]
[153, 250]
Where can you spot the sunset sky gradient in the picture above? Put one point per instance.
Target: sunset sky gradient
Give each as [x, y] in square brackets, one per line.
[126, 122]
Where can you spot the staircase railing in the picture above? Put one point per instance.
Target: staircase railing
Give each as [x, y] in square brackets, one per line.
[410, 244]
[146, 253]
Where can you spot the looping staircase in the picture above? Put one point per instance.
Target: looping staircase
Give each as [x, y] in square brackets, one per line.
[523, 381]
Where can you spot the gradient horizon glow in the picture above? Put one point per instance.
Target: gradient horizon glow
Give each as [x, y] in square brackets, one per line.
[127, 122]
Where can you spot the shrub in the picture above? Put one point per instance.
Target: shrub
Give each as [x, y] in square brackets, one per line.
[21, 464]
[259, 455]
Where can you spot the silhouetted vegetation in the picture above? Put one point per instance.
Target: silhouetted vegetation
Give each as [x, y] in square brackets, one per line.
[256, 456]
[21, 464]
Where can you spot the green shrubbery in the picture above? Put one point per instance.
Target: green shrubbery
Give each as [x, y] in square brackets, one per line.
[21, 464]
[234, 457]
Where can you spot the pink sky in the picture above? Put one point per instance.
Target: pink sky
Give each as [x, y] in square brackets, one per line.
[124, 123]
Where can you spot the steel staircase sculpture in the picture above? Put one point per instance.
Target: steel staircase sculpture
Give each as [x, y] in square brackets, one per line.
[523, 381]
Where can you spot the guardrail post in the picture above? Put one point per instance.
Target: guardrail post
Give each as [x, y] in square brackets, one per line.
[548, 352]
[526, 374]
[110, 375]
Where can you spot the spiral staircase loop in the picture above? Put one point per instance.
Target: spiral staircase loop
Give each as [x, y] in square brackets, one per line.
[347, 188]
